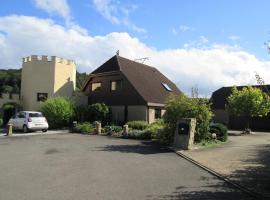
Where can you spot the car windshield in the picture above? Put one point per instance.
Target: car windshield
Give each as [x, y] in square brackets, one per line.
[35, 115]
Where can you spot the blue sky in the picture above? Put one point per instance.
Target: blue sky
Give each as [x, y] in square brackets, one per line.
[230, 34]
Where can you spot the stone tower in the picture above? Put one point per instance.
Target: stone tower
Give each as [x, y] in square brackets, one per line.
[44, 78]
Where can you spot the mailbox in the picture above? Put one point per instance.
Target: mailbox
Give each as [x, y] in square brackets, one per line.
[183, 128]
[184, 133]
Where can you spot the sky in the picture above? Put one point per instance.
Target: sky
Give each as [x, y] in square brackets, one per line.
[206, 44]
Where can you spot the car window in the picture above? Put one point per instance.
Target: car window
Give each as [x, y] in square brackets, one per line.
[21, 115]
[33, 115]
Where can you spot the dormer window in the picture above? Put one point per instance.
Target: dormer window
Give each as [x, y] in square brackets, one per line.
[166, 87]
[96, 87]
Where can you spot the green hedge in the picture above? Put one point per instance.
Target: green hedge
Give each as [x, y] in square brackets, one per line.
[86, 128]
[221, 131]
[59, 111]
[154, 129]
[1, 122]
[138, 125]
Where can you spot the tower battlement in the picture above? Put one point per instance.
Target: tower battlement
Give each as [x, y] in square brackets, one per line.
[44, 58]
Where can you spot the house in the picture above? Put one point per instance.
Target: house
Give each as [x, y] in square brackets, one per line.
[133, 90]
[221, 115]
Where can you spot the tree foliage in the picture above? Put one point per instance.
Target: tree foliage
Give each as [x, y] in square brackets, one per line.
[248, 102]
[59, 111]
[181, 106]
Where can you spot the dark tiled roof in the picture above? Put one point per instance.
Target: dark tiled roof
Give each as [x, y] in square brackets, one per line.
[219, 97]
[145, 79]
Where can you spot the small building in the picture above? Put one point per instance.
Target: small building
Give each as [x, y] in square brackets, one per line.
[133, 90]
[221, 115]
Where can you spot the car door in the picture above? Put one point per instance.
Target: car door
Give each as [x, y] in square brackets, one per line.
[21, 120]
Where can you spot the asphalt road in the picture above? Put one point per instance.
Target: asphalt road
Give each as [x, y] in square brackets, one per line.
[78, 167]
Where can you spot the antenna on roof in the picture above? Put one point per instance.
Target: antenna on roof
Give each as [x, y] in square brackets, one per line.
[117, 52]
[142, 60]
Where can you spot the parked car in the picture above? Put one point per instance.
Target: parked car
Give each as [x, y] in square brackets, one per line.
[29, 121]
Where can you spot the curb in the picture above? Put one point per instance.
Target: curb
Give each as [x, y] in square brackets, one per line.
[218, 175]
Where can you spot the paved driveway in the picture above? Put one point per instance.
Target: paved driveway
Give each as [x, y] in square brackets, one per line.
[243, 159]
[71, 166]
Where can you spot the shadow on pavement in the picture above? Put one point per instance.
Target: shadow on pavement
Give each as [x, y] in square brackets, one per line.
[256, 176]
[145, 147]
[208, 192]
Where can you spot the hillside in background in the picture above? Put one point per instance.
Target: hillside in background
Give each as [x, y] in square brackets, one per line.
[10, 80]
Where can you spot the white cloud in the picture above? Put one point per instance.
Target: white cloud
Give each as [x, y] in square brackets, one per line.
[234, 37]
[117, 14]
[184, 28]
[58, 7]
[209, 68]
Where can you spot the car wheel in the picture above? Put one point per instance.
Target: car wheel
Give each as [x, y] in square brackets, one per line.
[44, 130]
[25, 129]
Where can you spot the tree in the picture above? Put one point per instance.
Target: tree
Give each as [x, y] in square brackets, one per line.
[248, 102]
[181, 106]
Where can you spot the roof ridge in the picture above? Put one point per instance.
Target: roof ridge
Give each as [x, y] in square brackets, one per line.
[119, 63]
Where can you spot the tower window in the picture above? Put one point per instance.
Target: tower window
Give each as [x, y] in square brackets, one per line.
[42, 96]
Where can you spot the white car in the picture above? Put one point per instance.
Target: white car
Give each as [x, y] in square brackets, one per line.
[29, 121]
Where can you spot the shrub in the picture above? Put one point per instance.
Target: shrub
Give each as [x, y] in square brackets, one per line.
[181, 106]
[98, 112]
[115, 129]
[1, 122]
[85, 127]
[81, 113]
[58, 110]
[221, 131]
[137, 134]
[138, 125]
[154, 129]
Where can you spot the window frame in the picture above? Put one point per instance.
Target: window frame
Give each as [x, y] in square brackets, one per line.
[158, 111]
[99, 88]
[117, 89]
[39, 96]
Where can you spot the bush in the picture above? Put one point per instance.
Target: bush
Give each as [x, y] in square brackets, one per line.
[111, 129]
[181, 106]
[138, 125]
[81, 113]
[137, 134]
[59, 111]
[154, 129]
[98, 112]
[221, 131]
[85, 127]
[1, 122]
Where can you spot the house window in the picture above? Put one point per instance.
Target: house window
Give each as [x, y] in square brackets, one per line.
[42, 96]
[157, 113]
[116, 85]
[167, 87]
[96, 87]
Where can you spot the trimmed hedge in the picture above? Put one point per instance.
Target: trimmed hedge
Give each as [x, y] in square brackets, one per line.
[1, 122]
[138, 125]
[86, 128]
[221, 131]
